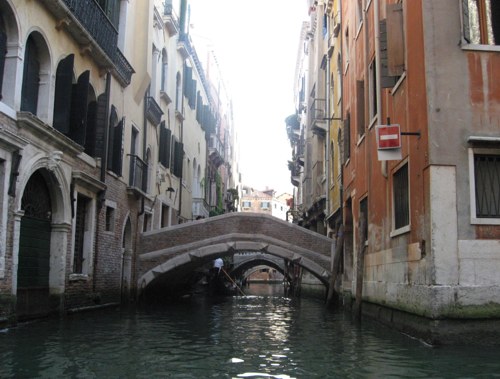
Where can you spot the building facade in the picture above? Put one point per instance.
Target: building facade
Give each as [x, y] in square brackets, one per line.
[106, 117]
[421, 221]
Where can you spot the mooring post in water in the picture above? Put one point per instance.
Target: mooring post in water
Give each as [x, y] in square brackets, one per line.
[339, 247]
[360, 267]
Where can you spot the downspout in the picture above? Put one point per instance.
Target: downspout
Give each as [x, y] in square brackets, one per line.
[104, 164]
[377, 73]
[328, 124]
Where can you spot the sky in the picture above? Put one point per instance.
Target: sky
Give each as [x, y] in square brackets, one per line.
[256, 44]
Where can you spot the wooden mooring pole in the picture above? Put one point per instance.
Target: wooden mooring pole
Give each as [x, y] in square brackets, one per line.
[339, 248]
[360, 268]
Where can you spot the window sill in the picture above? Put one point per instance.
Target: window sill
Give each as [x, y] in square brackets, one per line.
[484, 221]
[400, 231]
[474, 47]
[78, 278]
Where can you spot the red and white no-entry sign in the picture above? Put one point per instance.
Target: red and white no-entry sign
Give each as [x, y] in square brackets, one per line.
[388, 142]
[388, 136]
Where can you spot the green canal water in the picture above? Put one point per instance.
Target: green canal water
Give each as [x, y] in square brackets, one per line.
[261, 335]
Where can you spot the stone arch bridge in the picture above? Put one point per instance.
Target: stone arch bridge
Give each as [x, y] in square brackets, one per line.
[169, 255]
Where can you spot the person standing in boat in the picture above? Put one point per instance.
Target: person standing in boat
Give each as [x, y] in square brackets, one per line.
[218, 265]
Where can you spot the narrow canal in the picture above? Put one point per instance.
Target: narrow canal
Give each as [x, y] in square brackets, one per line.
[262, 335]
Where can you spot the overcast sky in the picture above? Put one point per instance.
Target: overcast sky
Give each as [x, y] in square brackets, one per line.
[256, 46]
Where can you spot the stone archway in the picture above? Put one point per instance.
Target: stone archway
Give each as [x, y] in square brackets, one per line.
[127, 253]
[34, 249]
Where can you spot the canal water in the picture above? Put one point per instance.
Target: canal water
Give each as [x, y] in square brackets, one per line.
[261, 335]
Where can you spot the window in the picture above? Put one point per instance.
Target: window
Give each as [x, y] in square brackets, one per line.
[487, 185]
[360, 107]
[178, 93]
[246, 204]
[3, 53]
[265, 205]
[164, 148]
[164, 71]
[346, 133]
[401, 197]
[110, 219]
[31, 78]
[81, 254]
[481, 21]
[165, 216]
[359, 13]
[146, 224]
[112, 10]
[115, 146]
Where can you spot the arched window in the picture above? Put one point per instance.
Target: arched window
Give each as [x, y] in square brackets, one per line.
[178, 93]
[31, 77]
[164, 70]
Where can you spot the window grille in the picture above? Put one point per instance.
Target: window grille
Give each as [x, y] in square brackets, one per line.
[487, 180]
[401, 198]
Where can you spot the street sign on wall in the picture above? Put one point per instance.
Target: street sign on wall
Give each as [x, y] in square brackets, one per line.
[388, 142]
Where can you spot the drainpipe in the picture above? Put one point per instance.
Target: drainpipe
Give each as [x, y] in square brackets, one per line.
[328, 123]
[104, 164]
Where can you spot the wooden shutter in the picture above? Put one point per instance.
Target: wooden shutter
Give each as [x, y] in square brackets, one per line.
[395, 39]
[90, 134]
[465, 20]
[31, 78]
[165, 141]
[3, 52]
[347, 138]
[386, 81]
[179, 157]
[100, 126]
[360, 106]
[117, 162]
[62, 98]
[79, 106]
[113, 120]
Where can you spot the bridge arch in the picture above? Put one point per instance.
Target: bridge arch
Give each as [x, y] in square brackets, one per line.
[176, 250]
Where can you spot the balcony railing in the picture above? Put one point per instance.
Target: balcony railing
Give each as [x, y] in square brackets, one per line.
[216, 150]
[88, 25]
[95, 21]
[317, 116]
[138, 178]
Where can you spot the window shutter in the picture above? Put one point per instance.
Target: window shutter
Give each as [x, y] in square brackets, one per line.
[161, 148]
[395, 39]
[113, 120]
[90, 135]
[118, 147]
[179, 156]
[347, 138]
[31, 78]
[360, 106]
[465, 20]
[386, 81]
[62, 99]
[79, 100]
[100, 127]
[168, 147]
[3, 52]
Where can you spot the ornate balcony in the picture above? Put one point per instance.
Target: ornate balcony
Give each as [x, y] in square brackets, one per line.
[138, 178]
[216, 150]
[153, 111]
[317, 116]
[87, 23]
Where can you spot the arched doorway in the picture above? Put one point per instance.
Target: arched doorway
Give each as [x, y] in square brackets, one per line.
[34, 249]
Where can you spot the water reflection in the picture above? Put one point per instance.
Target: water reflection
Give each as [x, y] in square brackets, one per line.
[261, 335]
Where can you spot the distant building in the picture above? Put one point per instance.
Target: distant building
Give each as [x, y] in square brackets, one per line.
[264, 202]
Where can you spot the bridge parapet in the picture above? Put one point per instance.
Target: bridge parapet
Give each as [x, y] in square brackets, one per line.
[234, 223]
[183, 246]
